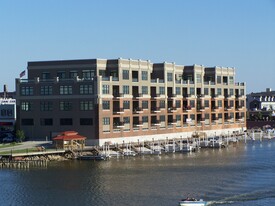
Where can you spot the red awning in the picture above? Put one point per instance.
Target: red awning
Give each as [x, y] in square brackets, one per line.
[69, 135]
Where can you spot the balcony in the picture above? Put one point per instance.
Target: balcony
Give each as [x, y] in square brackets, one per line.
[227, 108]
[172, 96]
[229, 119]
[201, 96]
[137, 110]
[140, 96]
[173, 122]
[214, 109]
[201, 109]
[138, 124]
[155, 109]
[172, 109]
[155, 123]
[186, 108]
[239, 107]
[117, 125]
[118, 111]
[159, 96]
[201, 120]
[118, 96]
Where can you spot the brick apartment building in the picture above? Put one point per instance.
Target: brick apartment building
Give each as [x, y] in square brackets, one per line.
[123, 100]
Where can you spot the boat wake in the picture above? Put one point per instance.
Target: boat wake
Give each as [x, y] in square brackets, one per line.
[246, 197]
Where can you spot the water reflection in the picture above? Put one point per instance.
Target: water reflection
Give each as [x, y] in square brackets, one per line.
[232, 174]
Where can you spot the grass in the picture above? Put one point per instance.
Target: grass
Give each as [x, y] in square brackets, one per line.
[19, 151]
[28, 150]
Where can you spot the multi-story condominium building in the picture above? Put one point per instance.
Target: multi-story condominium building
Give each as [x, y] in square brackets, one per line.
[125, 100]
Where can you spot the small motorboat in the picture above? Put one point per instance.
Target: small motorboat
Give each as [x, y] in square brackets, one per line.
[192, 201]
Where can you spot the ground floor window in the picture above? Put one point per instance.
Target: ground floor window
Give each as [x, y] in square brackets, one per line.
[86, 121]
[27, 122]
[66, 121]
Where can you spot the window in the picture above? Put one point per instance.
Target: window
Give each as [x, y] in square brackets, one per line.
[126, 89]
[169, 77]
[105, 89]
[178, 103]
[231, 92]
[192, 116]
[73, 74]
[231, 80]
[144, 89]
[206, 103]
[178, 118]
[162, 118]
[105, 104]
[46, 122]
[61, 74]
[162, 104]
[66, 121]
[231, 103]
[86, 89]
[25, 106]
[220, 115]
[106, 121]
[161, 90]
[46, 90]
[125, 74]
[26, 91]
[219, 79]
[219, 91]
[126, 120]
[102, 73]
[86, 121]
[88, 74]
[206, 116]
[144, 119]
[198, 78]
[6, 112]
[65, 106]
[86, 105]
[242, 92]
[192, 103]
[46, 106]
[144, 75]
[206, 91]
[144, 104]
[192, 91]
[45, 75]
[178, 90]
[219, 103]
[126, 104]
[27, 122]
[65, 89]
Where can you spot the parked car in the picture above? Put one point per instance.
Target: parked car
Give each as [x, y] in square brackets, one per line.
[8, 138]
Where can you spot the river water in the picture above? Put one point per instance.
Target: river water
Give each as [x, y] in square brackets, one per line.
[243, 174]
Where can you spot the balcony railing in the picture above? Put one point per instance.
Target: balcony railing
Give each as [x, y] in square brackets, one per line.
[118, 125]
[118, 111]
[155, 109]
[155, 123]
[138, 124]
[137, 110]
[172, 109]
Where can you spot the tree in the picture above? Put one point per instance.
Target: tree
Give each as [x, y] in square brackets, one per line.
[20, 135]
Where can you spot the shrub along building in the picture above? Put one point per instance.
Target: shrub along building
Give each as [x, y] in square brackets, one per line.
[125, 100]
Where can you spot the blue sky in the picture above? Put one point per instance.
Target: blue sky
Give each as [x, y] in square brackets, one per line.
[228, 33]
